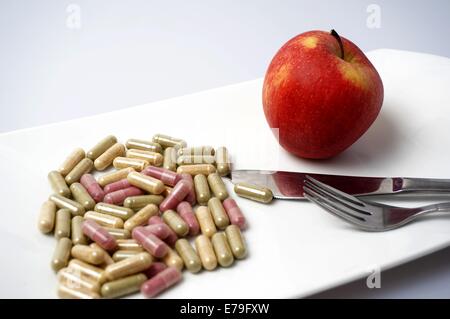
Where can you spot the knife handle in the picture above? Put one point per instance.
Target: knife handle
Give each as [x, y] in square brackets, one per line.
[422, 185]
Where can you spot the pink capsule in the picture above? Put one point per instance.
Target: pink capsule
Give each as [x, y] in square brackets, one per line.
[119, 196]
[150, 242]
[234, 213]
[98, 234]
[122, 184]
[155, 269]
[163, 280]
[185, 211]
[191, 198]
[93, 188]
[164, 175]
[172, 238]
[162, 231]
[178, 193]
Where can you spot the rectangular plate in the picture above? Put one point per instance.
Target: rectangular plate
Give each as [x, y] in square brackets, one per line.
[295, 248]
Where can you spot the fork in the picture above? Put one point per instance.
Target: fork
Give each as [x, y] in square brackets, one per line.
[367, 215]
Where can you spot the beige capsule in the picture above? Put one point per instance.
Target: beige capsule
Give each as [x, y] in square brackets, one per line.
[173, 259]
[65, 292]
[114, 210]
[62, 223]
[170, 159]
[115, 176]
[147, 183]
[107, 260]
[141, 217]
[218, 213]
[205, 251]
[205, 221]
[153, 158]
[61, 254]
[195, 159]
[217, 186]
[236, 241]
[168, 141]
[222, 249]
[253, 192]
[197, 150]
[129, 266]
[118, 233]
[46, 220]
[81, 195]
[123, 287]
[136, 203]
[223, 161]
[201, 189]
[106, 159]
[104, 219]
[71, 161]
[73, 279]
[78, 237]
[61, 202]
[88, 254]
[124, 162]
[87, 271]
[124, 254]
[175, 222]
[129, 244]
[58, 184]
[187, 253]
[83, 167]
[144, 145]
[101, 147]
[204, 169]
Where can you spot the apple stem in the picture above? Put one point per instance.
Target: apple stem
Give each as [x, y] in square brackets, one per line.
[339, 40]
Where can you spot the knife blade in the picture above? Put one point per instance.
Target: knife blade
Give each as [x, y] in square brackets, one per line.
[289, 185]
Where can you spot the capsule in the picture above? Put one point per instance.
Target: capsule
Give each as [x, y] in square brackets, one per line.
[61, 254]
[223, 161]
[195, 159]
[98, 234]
[87, 271]
[65, 292]
[118, 233]
[81, 195]
[152, 158]
[104, 219]
[175, 222]
[218, 213]
[124, 254]
[61, 202]
[46, 220]
[184, 209]
[222, 249]
[162, 231]
[170, 159]
[167, 177]
[129, 244]
[129, 266]
[179, 192]
[139, 202]
[115, 176]
[71, 161]
[58, 184]
[172, 259]
[123, 162]
[204, 169]
[72, 279]
[167, 191]
[116, 186]
[167, 141]
[123, 287]
[101, 147]
[117, 197]
[92, 187]
[196, 151]
[205, 221]
[141, 217]
[62, 223]
[162, 281]
[253, 192]
[236, 241]
[88, 254]
[234, 213]
[106, 159]
[83, 167]
[114, 210]
[143, 145]
[78, 237]
[201, 189]
[191, 198]
[150, 242]
[205, 251]
[217, 186]
[189, 256]
[107, 260]
[171, 237]
[147, 183]
[155, 269]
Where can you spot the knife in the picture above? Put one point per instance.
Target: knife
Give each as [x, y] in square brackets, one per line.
[289, 185]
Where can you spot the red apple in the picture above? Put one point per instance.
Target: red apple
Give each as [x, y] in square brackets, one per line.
[321, 93]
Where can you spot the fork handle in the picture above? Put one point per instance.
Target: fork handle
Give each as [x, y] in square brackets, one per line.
[426, 186]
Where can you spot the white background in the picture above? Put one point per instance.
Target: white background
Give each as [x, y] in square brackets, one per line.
[120, 54]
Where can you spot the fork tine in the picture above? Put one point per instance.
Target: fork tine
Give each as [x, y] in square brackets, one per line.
[335, 191]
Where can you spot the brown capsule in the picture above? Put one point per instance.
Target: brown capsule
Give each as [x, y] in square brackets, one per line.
[83, 167]
[143, 145]
[138, 202]
[253, 192]
[58, 184]
[81, 195]
[173, 259]
[204, 169]
[222, 249]
[152, 158]
[114, 210]
[175, 222]
[46, 220]
[128, 266]
[124, 162]
[201, 189]
[114, 176]
[218, 213]
[101, 147]
[107, 158]
[223, 161]
[217, 186]
[124, 254]
[170, 159]
[61, 254]
[206, 252]
[141, 217]
[104, 220]
[78, 237]
[62, 202]
[71, 161]
[188, 254]
[147, 183]
[205, 221]
[88, 254]
[62, 223]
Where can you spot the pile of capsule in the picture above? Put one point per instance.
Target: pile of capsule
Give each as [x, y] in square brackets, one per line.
[127, 230]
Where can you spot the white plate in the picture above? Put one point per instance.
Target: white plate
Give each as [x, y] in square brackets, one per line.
[296, 249]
